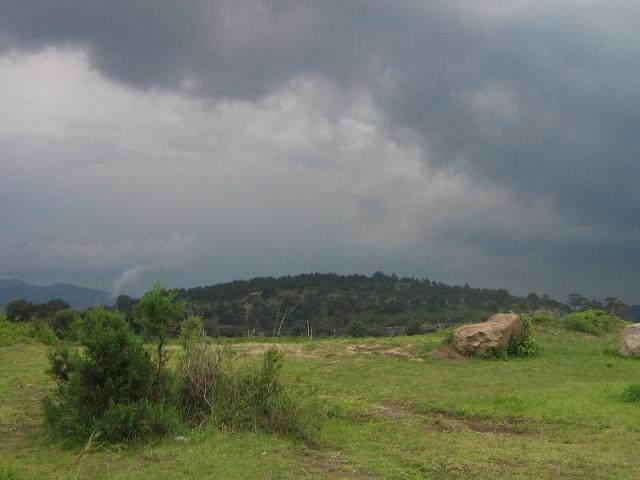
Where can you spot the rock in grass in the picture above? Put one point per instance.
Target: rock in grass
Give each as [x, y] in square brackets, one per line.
[630, 341]
[484, 339]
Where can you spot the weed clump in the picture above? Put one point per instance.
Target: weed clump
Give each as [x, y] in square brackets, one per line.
[214, 386]
[527, 347]
[594, 322]
[632, 393]
[10, 473]
[191, 328]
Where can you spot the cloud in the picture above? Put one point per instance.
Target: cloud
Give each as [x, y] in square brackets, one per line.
[482, 142]
[129, 278]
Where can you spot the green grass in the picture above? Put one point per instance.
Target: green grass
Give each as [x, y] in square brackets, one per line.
[395, 412]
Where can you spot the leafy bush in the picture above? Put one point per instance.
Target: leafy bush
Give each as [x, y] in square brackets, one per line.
[106, 385]
[595, 322]
[137, 420]
[527, 347]
[448, 336]
[13, 333]
[632, 393]
[356, 328]
[542, 318]
[42, 331]
[62, 323]
[414, 327]
[246, 397]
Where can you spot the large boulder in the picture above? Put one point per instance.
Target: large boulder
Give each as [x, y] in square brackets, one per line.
[630, 341]
[484, 339]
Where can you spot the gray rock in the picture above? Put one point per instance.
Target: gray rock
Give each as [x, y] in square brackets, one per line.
[630, 341]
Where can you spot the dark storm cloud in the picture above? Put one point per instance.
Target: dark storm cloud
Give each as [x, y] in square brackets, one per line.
[537, 98]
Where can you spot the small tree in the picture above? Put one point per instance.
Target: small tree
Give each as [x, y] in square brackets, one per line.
[157, 311]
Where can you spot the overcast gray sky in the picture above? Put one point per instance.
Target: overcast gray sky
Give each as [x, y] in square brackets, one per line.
[489, 142]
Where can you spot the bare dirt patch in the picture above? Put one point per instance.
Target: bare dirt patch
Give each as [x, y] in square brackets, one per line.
[396, 410]
[335, 464]
[382, 349]
[294, 349]
[445, 422]
[450, 423]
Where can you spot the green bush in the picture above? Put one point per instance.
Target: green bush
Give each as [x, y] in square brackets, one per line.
[542, 318]
[106, 382]
[595, 322]
[13, 333]
[632, 393]
[42, 332]
[414, 327]
[62, 323]
[527, 347]
[448, 336]
[356, 328]
[244, 397]
[137, 420]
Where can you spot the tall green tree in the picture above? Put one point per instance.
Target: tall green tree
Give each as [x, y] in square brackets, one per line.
[157, 311]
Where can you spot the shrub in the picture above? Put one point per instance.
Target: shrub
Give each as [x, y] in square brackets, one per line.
[13, 333]
[542, 318]
[62, 323]
[105, 386]
[42, 332]
[414, 327]
[595, 322]
[247, 397]
[632, 393]
[448, 336]
[137, 420]
[527, 347]
[202, 368]
[191, 328]
[356, 329]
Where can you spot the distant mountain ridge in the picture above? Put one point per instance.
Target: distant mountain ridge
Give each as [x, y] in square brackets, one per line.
[78, 297]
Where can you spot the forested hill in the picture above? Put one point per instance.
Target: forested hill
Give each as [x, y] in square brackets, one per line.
[331, 303]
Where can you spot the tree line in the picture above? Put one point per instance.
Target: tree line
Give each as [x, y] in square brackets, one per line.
[328, 304]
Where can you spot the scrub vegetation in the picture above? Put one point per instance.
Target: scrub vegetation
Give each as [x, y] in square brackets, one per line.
[393, 407]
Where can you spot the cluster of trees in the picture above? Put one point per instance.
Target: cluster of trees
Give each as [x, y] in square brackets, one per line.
[24, 311]
[328, 304]
[331, 304]
[56, 315]
[612, 305]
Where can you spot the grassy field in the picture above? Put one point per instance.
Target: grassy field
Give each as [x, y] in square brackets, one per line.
[397, 410]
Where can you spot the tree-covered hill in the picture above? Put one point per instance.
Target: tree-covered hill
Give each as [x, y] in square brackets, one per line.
[332, 303]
